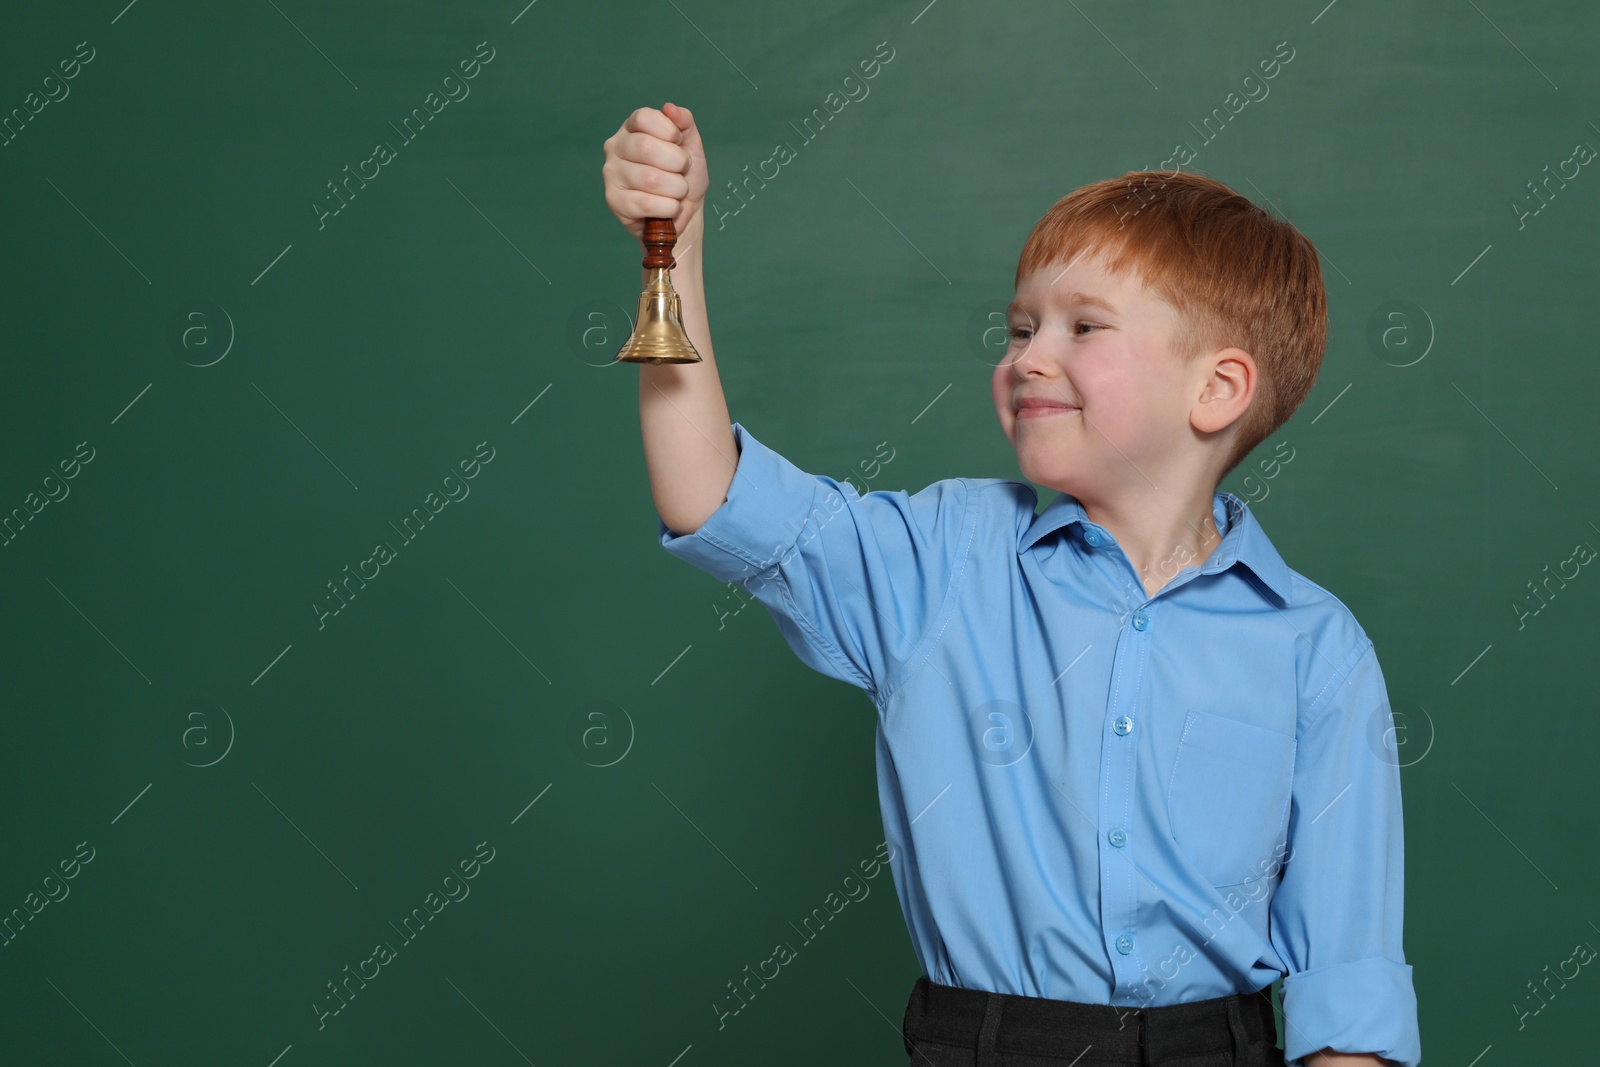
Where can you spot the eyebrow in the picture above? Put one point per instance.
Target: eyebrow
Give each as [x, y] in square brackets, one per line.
[1073, 298]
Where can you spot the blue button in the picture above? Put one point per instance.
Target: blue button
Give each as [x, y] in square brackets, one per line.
[1092, 536]
[1118, 837]
[1125, 944]
[1140, 620]
[1123, 724]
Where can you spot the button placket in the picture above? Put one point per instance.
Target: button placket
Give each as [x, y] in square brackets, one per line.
[1119, 766]
[1103, 542]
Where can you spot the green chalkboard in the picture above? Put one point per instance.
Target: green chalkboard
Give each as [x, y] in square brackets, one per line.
[336, 617]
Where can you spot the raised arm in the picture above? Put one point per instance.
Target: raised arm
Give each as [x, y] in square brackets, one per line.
[655, 167]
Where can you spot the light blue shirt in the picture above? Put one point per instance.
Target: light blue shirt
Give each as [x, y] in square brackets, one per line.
[1091, 793]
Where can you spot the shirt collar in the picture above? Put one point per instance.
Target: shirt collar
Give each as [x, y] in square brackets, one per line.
[1243, 539]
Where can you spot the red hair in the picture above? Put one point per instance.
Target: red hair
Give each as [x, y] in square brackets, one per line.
[1238, 275]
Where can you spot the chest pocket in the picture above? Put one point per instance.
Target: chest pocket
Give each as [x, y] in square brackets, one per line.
[1228, 800]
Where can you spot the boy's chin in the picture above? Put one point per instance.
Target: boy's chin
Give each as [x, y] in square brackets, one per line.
[1054, 475]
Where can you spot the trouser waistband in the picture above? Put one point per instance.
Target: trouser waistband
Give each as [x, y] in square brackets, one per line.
[990, 1022]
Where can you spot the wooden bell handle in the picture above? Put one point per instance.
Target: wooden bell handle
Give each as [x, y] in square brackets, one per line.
[659, 237]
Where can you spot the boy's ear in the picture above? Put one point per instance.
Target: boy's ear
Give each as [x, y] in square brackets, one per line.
[1228, 385]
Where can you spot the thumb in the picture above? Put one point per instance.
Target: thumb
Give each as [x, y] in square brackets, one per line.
[681, 116]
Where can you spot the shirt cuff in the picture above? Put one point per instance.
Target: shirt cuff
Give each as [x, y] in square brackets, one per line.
[757, 525]
[1365, 1005]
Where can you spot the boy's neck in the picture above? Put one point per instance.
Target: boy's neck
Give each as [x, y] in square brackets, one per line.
[1160, 533]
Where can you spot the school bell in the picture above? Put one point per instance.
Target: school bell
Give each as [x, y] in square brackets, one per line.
[658, 335]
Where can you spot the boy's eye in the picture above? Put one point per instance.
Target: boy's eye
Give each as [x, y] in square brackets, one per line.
[1021, 333]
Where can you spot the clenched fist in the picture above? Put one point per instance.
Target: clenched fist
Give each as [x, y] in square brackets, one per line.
[655, 168]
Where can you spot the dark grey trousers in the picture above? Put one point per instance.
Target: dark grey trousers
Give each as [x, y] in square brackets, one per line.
[946, 1026]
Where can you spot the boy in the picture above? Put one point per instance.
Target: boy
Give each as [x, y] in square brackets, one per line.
[1130, 763]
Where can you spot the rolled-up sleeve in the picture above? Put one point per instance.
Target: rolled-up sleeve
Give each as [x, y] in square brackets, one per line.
[854, 582]
[1337, 914]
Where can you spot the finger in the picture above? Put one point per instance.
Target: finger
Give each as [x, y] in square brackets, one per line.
[648, 179]
[636, 205]
[653, 151]
[649, 120]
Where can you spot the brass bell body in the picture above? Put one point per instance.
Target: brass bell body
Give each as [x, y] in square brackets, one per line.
[658, 334]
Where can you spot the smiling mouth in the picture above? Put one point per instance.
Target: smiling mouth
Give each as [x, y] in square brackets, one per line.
[1038, 411]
